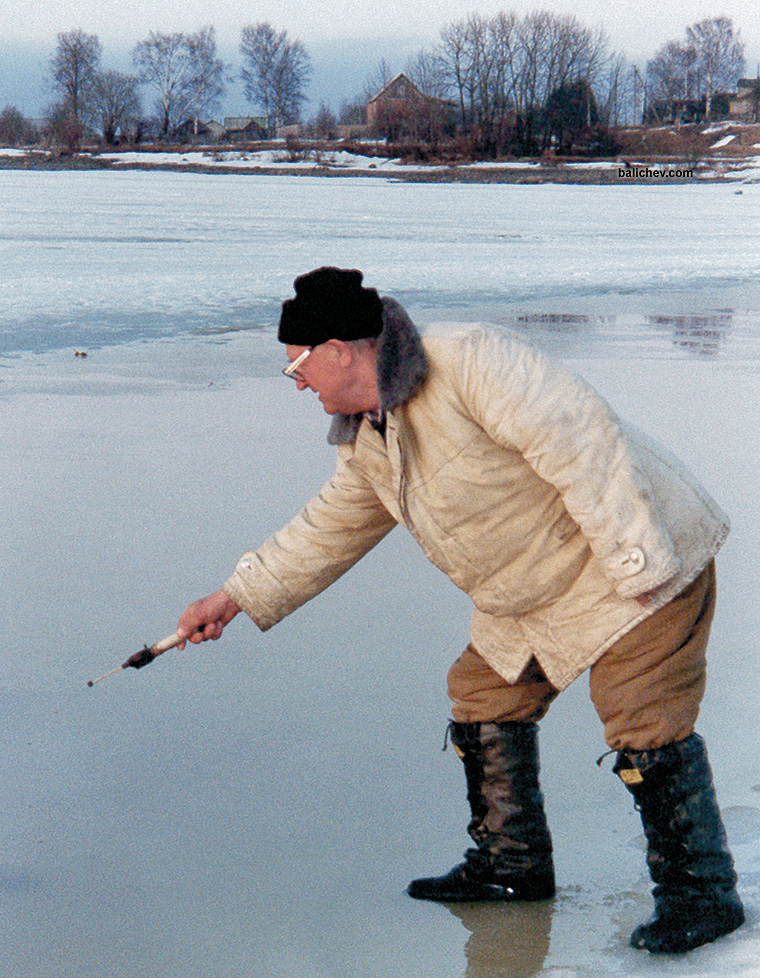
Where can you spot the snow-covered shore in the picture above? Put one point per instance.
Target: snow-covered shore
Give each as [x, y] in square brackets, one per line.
[341, 162]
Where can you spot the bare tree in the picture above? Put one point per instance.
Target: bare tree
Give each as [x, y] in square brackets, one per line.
[292, 76]
[615, 93]
[481, 55]
[578, 51]
[15, 129]
[324, 125]
[672, 73]
[275, 72]
[164, 63]
[532, 67]
[482, 71]
[61, 127]
[377, 79]
[496, 88]
[431, 117]
[555, 51]
[260, 47]
[206, 76]
[74, 68]
[353, 112]
[457, 59]
[117, 102]
[709, 59]
[503, 70]
[719, 56]
[428, 72]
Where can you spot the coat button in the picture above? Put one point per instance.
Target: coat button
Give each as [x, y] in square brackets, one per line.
[634, 560]
[244, 563]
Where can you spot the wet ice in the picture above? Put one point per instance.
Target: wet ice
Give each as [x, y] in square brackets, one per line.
[257, 807]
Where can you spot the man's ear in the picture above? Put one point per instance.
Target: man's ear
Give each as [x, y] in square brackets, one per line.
[345, 352]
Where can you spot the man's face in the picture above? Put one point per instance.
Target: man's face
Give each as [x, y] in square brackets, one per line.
[327, 372]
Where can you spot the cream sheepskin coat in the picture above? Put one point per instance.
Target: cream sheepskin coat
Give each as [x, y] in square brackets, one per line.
[518, 481]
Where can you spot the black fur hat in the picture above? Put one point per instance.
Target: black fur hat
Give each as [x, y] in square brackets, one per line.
[330, 303]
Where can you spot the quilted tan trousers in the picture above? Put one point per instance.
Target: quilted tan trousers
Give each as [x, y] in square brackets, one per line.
[646, 688]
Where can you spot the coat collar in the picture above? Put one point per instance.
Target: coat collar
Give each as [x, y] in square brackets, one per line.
[401, 369]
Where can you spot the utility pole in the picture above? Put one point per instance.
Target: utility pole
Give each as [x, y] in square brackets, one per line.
[639, 81]
[639, 95]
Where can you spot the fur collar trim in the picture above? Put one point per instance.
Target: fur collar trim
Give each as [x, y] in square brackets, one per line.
[401, 368]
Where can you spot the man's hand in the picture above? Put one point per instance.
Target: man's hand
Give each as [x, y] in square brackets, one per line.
[205, 619]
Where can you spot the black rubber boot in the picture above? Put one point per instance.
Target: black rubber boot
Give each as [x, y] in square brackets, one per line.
[689, 861]
[513, 858]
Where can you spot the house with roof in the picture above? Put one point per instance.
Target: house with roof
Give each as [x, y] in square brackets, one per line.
[745, 104]
[246, 128]
[195, 131]
[401, 111]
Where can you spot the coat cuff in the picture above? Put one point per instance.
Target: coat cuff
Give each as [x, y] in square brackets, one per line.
[248, 597]
[633, 576]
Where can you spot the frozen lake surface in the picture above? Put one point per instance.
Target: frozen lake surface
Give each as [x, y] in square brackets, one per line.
[256, 807]
[99, 258]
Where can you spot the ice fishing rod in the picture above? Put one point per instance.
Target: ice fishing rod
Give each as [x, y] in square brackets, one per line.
[142, 658]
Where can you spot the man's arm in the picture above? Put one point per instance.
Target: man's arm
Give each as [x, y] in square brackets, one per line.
[333, 531]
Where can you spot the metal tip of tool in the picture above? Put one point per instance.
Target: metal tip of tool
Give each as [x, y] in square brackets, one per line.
[91, 682]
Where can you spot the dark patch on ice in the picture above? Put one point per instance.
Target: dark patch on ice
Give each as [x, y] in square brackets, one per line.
[93, 329]
[17, 882]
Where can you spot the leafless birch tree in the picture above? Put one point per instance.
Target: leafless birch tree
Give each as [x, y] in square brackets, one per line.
[163, 62]
[275, 72]
[206, 74]
[719, 56]
[709, 59]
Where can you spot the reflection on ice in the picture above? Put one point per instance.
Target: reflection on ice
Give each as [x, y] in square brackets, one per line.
[508, 940]
[701, 333]
[688, 326]
[553, 320]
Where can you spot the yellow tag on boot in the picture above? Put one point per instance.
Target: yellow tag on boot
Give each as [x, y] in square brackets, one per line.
[630, 775]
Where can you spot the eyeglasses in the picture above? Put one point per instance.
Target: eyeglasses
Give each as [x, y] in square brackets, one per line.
[290, 370]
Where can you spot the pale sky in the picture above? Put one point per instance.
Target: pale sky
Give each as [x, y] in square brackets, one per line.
[635, 26]
[389, 29]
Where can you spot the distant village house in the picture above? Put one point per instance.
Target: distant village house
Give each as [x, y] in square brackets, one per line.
[400, 111]
[245, 128]
[745, 105]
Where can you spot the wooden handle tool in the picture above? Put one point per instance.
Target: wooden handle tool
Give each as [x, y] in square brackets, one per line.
[146, 655]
